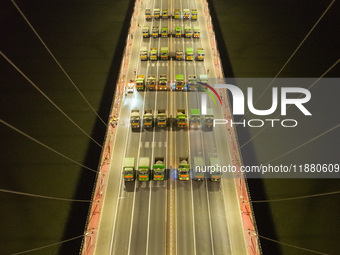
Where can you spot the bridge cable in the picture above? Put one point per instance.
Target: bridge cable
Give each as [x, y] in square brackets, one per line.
[49, 245]
[293, 246]
[46, 146]
[336, 62]
[292, 55]
[295, 198]
[60, 66]
[42, 196]
[301, 145]
[50, 100]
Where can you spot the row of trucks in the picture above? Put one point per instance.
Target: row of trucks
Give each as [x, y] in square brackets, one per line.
[164, 14]
[158, 171]
[162, 84]
[188, 32]
[164, 54]
[161, 118]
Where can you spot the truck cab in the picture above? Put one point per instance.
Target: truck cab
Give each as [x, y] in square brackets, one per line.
[148, 118]
[155, 31]
[164, 53]
[162, 82]
[143, 169]
[164, 31]
[181, 117]
[186, 13]
[140, 82]
[146, 32]
[143, 54]
[187, 32]
[183, 169]
[194, 14]
[177, 13]
[148, 14]
[200, 54]
[134, 119]
[179, 55]
[129, 169]
[189, 54]
[151, 82]
[162, 118]
[153, 54]
[164, 13]
[197, 32]
[158, 169]
[178, 31]
[156, 13]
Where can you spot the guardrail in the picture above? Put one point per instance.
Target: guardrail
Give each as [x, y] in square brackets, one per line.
[247, 213]
[93, 219]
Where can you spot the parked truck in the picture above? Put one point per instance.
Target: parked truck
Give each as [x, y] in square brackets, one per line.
[146, 32]
[134, 119]
[156, 13]
[148, 118]
[148, 14]
[194, 14]
[187, 32]
[164, 13]
[195, 118]
[179, 55]
[151, 82]
[143, 54]
[162, 118]
[197, 32]
[192, 82]
[163, 82]
[215, 174]
[140, 82]
[189, 54]
[158, 169]
[200, 54]
[177, 13]
[198, 169]
[155, 31]
[178, 31]
[179, 82]
[143, 169]
[183, 169]
[153, 54]
[186, 13]
[209, 118]
[181, 117]
[164, 53]
[129, 169]
[164, 31]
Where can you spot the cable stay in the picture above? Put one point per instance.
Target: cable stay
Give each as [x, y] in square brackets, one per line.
[57, 62]
[50, 245]
[296, 198]
[329, 69]
[44, 145]
[293, 54]
[293, 246]
[309, 141]
[42, 196]
[50, 100]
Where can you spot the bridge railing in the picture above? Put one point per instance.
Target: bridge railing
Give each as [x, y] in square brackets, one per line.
[93, 219]
[247, 212]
